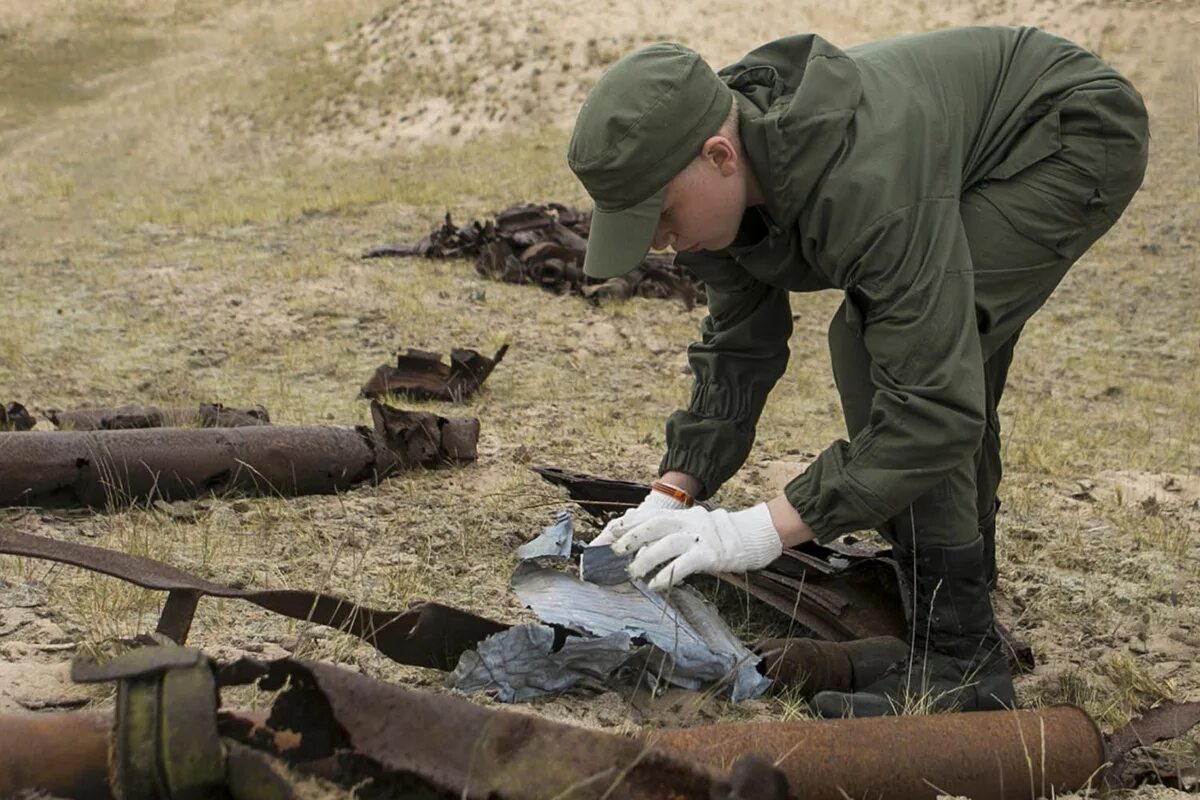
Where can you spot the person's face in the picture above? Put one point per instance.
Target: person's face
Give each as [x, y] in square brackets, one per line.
[704, 204]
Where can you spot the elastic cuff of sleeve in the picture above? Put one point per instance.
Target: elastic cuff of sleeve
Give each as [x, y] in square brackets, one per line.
[759, 536]
[801, 499]
[699, 467]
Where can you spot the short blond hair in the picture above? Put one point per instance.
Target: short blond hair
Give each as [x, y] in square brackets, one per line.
[729, 129]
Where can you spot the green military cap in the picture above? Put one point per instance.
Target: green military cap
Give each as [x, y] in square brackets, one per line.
[643, 122]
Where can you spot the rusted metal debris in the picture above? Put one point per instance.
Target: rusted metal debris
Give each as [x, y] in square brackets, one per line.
[60, 755]
[991, 755]
[387, 740]
[423, 635]
[839, 592]
[424, 376]
[15, 417]
[205, 415]
[813, 665]
[544, 245]
[115, 468]
[1167, 721]
[602, 498]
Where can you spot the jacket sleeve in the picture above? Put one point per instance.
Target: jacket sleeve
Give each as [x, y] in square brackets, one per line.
[742, 352]
[912, 284]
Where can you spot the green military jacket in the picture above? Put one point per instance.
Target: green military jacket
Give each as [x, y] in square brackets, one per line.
[862, 156]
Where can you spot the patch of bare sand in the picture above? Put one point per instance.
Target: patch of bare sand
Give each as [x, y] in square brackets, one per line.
[432, 71]
[1147, 489]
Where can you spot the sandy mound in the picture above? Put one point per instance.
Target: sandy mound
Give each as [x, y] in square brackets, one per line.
[426, 71]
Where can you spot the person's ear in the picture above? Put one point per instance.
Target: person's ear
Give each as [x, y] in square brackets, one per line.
[721, 153]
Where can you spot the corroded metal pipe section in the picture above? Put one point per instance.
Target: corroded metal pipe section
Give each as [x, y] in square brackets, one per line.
[996, 755]
[62, 755]
[115, 468]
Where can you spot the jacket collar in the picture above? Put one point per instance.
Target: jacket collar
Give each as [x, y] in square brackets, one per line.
[797, 97]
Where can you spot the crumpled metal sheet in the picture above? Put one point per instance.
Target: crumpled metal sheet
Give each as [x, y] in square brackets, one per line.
[421, 375]
[526, 662]
[544, 246]
[554, 542]
[424, 635]
[205, 415]
[697, 648]
[15, 417]
[115, 468]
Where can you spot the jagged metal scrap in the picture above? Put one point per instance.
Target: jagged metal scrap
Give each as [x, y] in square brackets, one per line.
[421, 375]
[15, 417]
[205, 415]
[390, 735]
[1167, 721]
[681, 639]
[602, 498]
[528, 661]
[423, 635]
[544, 246]
[554, 542]
[601, 564]
[698, 650]
[116, 468]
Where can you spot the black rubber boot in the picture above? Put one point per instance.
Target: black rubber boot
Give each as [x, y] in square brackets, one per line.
[956, 661]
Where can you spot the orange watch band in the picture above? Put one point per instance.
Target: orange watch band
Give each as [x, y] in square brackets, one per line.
[673, 492]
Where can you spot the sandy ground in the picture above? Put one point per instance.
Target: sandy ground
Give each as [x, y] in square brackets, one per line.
[184, 192]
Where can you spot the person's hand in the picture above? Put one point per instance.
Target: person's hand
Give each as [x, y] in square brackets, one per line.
[696, 540]
[655, 501]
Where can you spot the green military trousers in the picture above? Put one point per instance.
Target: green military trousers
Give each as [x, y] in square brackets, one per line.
[1060, 187]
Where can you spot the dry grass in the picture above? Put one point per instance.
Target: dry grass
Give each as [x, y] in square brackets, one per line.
[186, 189]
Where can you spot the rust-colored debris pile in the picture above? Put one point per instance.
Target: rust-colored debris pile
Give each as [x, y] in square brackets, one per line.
[544, 245]
[170, 736]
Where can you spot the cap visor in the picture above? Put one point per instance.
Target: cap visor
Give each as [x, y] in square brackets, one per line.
[619, 240]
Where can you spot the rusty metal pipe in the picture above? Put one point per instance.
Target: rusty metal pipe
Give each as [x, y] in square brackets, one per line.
[63, 755]
[996, 755]
[115, 468]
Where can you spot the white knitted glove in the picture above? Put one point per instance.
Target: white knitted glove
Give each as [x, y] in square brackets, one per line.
[654, 502]
[699, 541]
